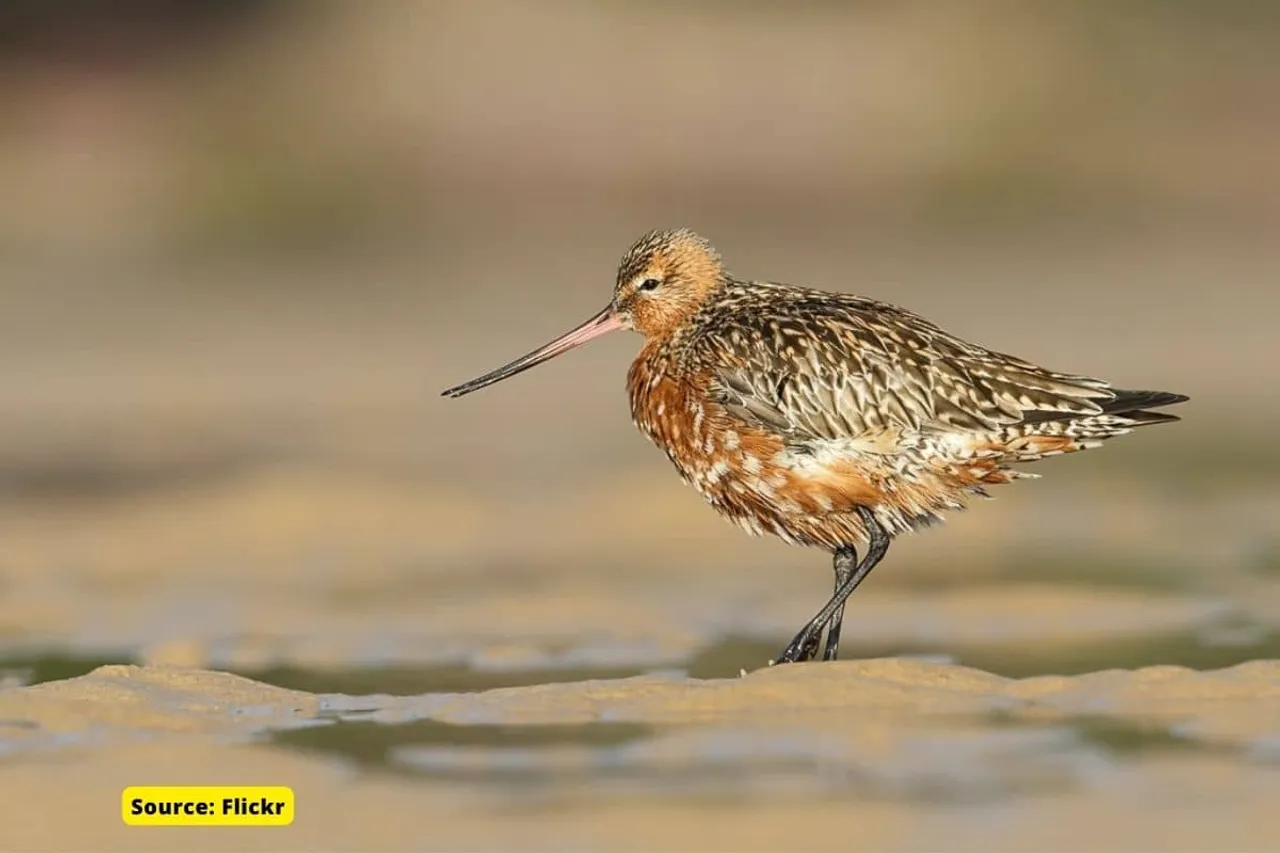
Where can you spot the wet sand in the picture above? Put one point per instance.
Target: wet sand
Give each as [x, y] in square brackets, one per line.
[866, 755]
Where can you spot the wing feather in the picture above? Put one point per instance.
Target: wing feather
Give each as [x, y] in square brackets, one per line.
[830, 366]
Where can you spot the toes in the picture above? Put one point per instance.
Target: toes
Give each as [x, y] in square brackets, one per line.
[803, 648]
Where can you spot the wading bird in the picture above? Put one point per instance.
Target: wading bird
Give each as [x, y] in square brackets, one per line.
[827, 419]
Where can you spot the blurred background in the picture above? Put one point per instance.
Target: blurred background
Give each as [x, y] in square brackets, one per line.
[246, 243]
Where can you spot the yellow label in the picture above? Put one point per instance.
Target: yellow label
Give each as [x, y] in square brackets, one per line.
[237, 805]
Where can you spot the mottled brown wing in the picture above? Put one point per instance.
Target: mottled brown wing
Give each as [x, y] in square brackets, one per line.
[845, 367]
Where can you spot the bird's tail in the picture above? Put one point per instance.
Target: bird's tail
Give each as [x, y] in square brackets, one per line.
[1054, 433]
[1133, 406]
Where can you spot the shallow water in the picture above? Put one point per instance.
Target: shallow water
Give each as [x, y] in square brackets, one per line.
[1214, 646]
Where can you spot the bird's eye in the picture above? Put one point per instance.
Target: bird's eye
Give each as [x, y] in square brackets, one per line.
[650, 284]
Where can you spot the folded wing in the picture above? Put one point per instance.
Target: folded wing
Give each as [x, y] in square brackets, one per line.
[845, 367]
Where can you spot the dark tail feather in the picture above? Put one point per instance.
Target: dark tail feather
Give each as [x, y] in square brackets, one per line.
[1132, 405]
[1126, 401]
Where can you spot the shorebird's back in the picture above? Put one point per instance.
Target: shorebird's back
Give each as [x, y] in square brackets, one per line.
[831, 365]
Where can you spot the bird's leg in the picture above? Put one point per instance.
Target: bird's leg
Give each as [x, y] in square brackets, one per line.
[805, 644]
[845, 562]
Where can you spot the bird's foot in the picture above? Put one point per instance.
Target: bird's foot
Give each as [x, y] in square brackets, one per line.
[803, 647]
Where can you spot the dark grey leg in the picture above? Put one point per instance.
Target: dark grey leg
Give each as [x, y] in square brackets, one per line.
[805, 644]
[845, 563]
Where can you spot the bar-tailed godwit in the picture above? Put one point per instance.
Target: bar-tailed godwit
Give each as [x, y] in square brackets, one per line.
[827, 419]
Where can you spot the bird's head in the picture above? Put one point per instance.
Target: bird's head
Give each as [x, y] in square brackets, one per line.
[662, 280]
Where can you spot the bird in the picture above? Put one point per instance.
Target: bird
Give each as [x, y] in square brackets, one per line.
[827, 419]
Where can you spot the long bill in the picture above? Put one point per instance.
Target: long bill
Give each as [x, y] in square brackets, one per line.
[603, 323]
